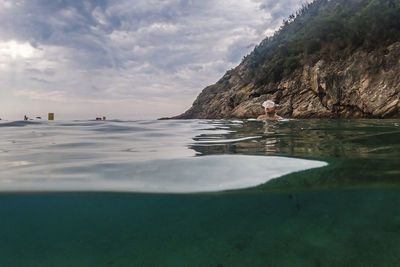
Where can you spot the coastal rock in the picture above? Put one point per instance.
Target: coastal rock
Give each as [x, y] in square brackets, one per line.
[365, 84]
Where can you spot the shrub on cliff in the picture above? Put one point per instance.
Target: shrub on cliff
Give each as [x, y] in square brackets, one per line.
[324, 29]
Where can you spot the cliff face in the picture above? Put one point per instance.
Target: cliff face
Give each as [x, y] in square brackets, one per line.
[366, 84]
[343, 76]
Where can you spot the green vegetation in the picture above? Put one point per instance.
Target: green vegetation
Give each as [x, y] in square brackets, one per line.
[325, 29]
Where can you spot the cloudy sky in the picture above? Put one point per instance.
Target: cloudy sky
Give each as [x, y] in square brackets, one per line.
[126, 59]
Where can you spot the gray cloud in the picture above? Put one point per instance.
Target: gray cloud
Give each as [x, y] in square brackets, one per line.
[281, 8]
[152, 51]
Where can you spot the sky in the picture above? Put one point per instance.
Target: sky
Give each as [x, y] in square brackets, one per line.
[123, 59]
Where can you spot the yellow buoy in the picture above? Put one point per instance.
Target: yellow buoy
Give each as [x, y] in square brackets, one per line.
[104, 118]
[51, 116]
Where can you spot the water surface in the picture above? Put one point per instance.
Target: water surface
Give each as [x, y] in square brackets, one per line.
[315, 193]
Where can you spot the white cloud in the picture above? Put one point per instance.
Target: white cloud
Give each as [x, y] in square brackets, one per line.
[6, 4]
[15, 50]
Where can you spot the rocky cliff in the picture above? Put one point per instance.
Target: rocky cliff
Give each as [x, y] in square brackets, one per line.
[355, 81]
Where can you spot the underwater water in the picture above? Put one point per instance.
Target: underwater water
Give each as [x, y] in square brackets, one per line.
[200, 193]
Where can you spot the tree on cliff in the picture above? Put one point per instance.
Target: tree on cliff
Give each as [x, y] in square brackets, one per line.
[325, 29]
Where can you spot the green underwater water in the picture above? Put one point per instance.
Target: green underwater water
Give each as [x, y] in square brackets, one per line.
[345, 214]
[351, 228]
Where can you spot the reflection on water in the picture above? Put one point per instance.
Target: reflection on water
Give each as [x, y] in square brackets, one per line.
[137, 156]
[270, 132]
[344, 214]
[361, 153]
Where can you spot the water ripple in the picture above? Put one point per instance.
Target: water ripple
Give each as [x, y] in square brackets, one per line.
[113, 151]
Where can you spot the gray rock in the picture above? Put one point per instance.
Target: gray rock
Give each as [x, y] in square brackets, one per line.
[364, 85]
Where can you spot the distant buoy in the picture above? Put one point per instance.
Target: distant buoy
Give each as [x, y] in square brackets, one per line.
[104, 118]
[51, 116]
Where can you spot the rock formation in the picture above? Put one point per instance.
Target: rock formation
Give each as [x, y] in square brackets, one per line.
[364, 83]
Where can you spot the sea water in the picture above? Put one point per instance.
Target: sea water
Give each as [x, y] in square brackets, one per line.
[200, 193]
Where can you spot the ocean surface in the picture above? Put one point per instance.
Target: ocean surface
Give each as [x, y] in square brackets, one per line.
[200, 193]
